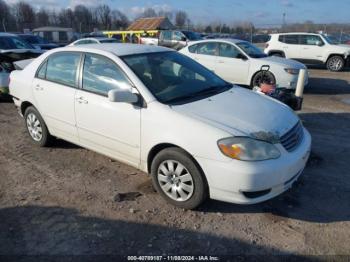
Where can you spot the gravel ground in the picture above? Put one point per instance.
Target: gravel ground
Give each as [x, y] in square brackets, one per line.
[61, 200]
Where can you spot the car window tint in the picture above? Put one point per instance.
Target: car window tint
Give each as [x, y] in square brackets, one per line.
[193, 48]
[310, 40]
[42, 71]
[101, 74]
[227, 50]
[178, 36]
[208, 49]
[167, 35]
[62, 68]
[289, 39]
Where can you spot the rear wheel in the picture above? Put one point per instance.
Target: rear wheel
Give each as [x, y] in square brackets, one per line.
[178, 179]
[335, 63]
[36, 127]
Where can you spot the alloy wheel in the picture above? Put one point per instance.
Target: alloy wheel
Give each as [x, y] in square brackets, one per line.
[34, 127]
[175, 180]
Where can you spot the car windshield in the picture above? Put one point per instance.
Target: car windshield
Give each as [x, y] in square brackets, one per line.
[251, 50]
[330, 39]
[109, 41]
[32, 39]
[174, 78]
[192, 36]
[13, 42]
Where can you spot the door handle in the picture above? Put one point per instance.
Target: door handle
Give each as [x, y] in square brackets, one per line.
[221, 62]
[81, 100]
[38, 87]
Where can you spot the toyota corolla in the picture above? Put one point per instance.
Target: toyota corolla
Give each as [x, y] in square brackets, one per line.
[153, 108]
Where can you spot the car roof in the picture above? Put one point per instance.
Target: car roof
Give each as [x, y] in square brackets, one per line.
[95, 38]
[296, 33]
[226, 40]
[119, 49]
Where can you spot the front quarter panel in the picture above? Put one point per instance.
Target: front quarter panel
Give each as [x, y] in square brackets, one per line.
[160, 124]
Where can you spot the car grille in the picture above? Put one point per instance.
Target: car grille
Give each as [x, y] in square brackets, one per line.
[292, 139]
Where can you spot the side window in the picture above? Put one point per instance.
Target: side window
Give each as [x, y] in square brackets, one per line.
[193, 48]
[48, 36]
[227, 50]
[42, 71]
[101, 74]
[62, 68]
[178, 36]
[310, 40]
[208, 49]
[167, 35]
[289, 39]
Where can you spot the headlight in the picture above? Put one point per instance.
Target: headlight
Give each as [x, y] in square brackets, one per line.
[248, 149]
[292, 71]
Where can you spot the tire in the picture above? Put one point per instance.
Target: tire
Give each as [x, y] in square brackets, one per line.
[277, 54]
[186, 188]
[268, 77]
[335, 63]
[36, 127]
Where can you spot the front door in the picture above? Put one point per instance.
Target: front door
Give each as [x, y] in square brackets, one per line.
[108, 127]
[232, 65]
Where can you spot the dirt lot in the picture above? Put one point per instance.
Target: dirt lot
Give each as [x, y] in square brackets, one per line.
[60, 200]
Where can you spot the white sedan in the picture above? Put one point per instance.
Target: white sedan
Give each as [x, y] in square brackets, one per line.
[94, 40]
[163, 113]
[240, 62]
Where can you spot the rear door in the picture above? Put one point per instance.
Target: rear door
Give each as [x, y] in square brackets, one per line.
[290, 45]
[54, 88]
[232, 65]
[165, 38]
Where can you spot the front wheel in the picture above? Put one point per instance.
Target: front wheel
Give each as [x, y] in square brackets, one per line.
[263, 77]
[335, 63]
[36, 127]
[178, 179]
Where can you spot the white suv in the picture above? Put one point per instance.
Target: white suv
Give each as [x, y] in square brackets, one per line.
[309, 49]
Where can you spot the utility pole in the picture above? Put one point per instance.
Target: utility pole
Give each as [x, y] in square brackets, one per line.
[284, 21]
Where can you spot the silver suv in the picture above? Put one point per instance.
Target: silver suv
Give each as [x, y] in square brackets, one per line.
[309, 49]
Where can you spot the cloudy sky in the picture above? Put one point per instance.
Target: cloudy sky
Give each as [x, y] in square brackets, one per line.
[260, 12]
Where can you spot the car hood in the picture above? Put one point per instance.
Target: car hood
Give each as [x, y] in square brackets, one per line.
[243, 112]
[341, 48]
[12, 55]
[288, 63]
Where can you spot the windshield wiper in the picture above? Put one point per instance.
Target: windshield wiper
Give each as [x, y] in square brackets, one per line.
[213, 90]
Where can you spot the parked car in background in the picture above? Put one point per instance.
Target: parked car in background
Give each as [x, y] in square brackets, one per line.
[12, 49]
[309, 49]
[94, 40]
[240, 62]
[58, 35]
[177, 39]
[149, 98]
[149, 39]
[38, 41]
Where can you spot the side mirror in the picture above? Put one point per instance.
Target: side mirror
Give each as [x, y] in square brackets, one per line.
[184, 39]
[241, 56]
[122, 96]
[319, 43]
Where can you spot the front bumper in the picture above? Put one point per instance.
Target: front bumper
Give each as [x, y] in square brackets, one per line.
[290, 81]
[231, 181]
